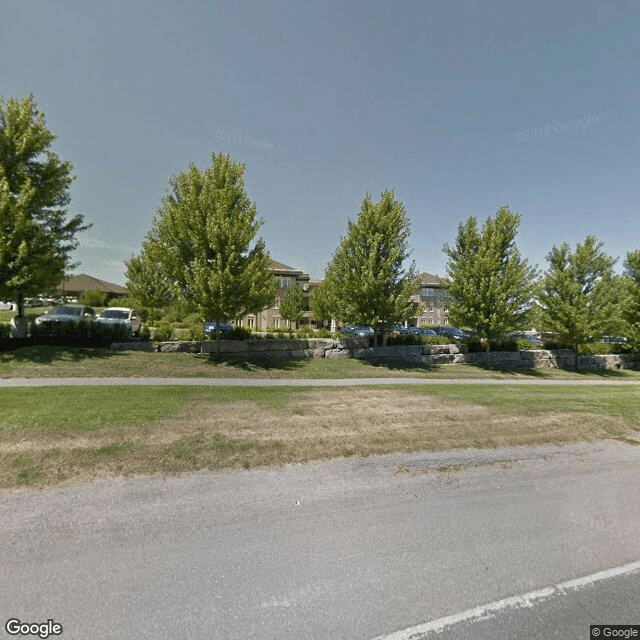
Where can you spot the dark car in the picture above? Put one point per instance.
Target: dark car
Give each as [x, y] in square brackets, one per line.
[614, 340]
[354, 330]
[451, 332]
[210, 328]
[401, 329]
[67, 314]
[421, 331]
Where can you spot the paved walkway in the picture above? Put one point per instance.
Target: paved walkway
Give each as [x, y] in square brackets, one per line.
[286, 382]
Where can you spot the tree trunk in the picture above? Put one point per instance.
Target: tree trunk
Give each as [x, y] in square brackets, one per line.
[19, 324]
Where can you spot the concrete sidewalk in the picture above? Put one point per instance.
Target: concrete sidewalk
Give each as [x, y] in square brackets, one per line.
[290, 382]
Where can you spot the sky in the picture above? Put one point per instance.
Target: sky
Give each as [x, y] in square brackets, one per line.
[461, 107]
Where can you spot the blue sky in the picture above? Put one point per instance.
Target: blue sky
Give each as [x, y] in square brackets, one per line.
[460, 106]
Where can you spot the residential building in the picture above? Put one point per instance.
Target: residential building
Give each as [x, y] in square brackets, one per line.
[270, 317]
[433, 301]
[431, 296]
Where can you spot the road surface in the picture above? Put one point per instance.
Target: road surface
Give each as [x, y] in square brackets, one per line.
[352, 548]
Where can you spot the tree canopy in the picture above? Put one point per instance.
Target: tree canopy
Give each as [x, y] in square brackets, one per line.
[37, 235]
[489, 284]
[204, 239]
[147, 284]
[366, 282]
[578, 295]
[631, 303]
[292, 307]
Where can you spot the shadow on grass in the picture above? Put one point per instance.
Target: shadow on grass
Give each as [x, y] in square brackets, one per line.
[602, 373]
[46, 354]
[543, 372]
[256, 363]
[402, 366]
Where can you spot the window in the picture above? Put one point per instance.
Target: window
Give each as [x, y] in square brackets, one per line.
[285, 282]
[276, 322]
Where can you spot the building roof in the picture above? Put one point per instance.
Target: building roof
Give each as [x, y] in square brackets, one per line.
[279, 266]
[285, 270]
[430, 279]
[82, 282]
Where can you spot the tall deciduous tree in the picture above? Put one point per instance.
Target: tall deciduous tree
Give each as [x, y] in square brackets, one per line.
[37, 235]
[631, 304]
[366, 282]
[146, 283]
[204, 234]
[490, 286]
[578, 294]
[292, 307]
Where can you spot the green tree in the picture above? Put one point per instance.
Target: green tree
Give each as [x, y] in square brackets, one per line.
[578, 293]
[292, 307]
[204, 234]
[94, 298]
[631, 304]
[146, 283]
[37, 235]
[366, 282]
[490, 285]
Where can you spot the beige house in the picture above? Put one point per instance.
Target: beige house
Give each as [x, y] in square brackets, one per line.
[270, 317]
[433, 300]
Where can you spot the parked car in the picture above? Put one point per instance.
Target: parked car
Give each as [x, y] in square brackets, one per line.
[210, 328]
[451, 332]
[399, 328]
[615, 340]
[533, 340]
[355, 330]
[421, 331]
[121, 316]
[67, 314]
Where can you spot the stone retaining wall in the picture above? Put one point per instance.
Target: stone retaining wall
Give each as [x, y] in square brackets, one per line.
[433, 354]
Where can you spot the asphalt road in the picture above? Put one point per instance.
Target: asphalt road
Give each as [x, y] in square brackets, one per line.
[354, 548]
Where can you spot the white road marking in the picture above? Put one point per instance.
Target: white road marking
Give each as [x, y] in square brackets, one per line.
[486, 611]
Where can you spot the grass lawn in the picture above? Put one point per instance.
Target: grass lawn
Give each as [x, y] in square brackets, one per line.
[39, 362]
[53, 435]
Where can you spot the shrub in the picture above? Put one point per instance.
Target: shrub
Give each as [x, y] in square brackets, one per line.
[435, 340]
[240, 333]
[603, 348]
[95, 298]
[324, 333]
[504, 344]
[305, 332]
[163, 331]
[403, 339]
[474, 345]
[196, 332]
[82, 333]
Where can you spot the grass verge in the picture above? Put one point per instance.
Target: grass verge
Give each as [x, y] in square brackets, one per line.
[48, 361]
[54, 435]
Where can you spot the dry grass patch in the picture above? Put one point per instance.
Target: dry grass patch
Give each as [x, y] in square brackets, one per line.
[216, 432]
